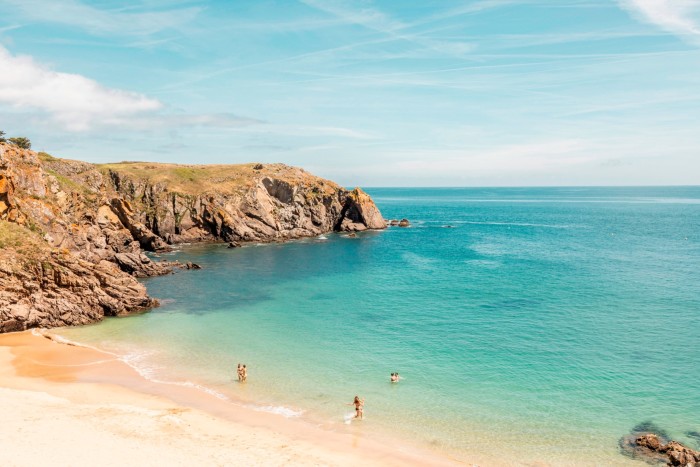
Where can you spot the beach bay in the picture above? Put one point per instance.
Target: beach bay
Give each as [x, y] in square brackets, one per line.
[529, 325]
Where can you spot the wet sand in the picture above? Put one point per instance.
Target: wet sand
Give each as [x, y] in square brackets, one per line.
[72, 405]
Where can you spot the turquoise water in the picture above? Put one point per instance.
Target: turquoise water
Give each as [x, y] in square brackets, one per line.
[543, 325]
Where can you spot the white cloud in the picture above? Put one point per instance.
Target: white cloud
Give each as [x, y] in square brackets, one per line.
[102, 22]
[680, 17]
[75, 102]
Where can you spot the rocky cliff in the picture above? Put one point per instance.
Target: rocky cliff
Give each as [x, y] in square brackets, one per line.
[72, 234]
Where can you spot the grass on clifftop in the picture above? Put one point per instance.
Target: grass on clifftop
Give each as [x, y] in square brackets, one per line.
[21, 239]
[196, 179]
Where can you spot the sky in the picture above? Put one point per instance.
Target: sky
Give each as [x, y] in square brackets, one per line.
[368, 93]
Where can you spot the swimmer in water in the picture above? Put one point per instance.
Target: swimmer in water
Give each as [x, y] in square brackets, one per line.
[394, 377]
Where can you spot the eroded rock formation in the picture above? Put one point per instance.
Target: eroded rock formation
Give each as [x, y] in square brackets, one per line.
[89, 225]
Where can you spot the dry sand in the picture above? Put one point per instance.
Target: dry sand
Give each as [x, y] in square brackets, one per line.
[74, 406]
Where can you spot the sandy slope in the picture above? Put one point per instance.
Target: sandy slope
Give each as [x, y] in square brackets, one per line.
[60, 405]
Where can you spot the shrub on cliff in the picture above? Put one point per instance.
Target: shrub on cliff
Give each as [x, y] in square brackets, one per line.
[2, 137]
[21, 142]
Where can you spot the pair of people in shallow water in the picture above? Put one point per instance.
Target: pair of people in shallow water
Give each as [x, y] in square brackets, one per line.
[242, 373]
[395, 378]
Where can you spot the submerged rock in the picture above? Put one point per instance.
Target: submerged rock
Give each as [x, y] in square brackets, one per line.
[404, 223]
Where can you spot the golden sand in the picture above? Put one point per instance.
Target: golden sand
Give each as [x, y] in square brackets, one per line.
[71, 405]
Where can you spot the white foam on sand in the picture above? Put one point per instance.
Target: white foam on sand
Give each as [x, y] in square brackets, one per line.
[286, 412]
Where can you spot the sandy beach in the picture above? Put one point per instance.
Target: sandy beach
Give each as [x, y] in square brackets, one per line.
[72, 405]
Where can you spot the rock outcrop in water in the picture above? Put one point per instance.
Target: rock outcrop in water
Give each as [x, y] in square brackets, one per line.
[656, 449]
[88, 226]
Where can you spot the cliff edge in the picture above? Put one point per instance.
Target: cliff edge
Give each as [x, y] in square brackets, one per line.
[72, 234]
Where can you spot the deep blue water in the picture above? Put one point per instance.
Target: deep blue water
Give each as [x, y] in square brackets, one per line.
[546, 322]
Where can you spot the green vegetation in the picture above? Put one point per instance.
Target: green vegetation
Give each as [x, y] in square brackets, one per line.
[67, 184]
[2, 137]
[46, 157]
[197, 179]
[21, 142]
[24, 240]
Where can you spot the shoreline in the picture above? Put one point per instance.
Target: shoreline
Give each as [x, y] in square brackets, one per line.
[58, 392]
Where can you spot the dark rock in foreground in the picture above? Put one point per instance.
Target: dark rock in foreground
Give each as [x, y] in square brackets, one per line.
[654, 449]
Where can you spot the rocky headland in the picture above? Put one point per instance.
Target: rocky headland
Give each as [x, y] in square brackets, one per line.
[73, 234]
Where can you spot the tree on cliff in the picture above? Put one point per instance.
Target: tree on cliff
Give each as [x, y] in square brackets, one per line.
[21, 142]
[2, 137]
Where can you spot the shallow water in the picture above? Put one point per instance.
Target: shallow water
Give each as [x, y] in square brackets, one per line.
[543, 324]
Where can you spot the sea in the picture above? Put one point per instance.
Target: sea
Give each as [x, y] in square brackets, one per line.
[537, 325]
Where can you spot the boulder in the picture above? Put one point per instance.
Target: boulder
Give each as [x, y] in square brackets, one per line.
[404, 223]
[360, 213]
[649, 441]
[653, 449]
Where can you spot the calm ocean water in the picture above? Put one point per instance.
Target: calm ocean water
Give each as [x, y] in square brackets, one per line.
[541, 326]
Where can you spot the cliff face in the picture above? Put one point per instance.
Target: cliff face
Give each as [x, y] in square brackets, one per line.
[72, 233]
[41, 286]
[233, 203]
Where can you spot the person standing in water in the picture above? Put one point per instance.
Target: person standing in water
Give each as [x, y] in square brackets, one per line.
[359, 406]
[240, 373]
[244, 373]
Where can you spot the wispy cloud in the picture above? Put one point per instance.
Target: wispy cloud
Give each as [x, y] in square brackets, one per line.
[100, 21]
[680, 17]
[9, 28]
[378, 21]
[181, 121]
[73, 101]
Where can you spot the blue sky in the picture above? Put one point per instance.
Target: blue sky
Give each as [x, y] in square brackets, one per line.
[373, 93]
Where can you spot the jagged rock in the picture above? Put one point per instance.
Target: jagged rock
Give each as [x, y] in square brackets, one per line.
[189, 265]
[276, 203]
[146, 238]
[394, 222]
[45, 288]
[679, 454]
[404, 223]
[649, 441]
[360, 213]
[98, 219]
[653, 449]
[234, 245]
[139, 265]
